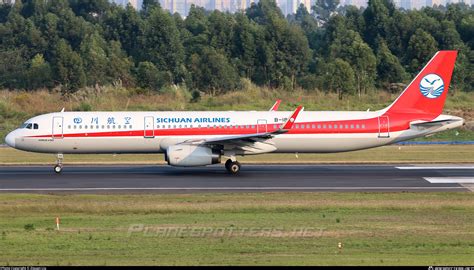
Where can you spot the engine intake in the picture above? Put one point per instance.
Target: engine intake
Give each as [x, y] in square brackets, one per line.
[192, 155]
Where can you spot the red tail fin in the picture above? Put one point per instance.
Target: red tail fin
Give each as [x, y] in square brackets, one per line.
[427, 92]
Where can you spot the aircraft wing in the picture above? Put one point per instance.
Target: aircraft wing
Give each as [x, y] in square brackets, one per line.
[249, 138]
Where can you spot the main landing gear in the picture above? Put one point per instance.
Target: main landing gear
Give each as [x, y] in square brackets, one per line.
[59, 164]
[232, 166]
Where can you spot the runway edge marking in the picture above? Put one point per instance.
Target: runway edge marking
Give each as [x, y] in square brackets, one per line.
[437, 168]
[450, 180]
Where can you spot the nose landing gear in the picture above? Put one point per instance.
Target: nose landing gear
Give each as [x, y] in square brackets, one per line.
[232, 167]
[59, 164]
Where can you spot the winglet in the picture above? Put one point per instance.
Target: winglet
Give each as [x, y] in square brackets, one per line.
[289, 123]
[275, 106]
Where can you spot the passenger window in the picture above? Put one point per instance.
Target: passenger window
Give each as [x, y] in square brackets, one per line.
[347, 126]
[357, 126]
[329, 126]
[308, 126]
[363, 125]
[314, 126]
[324, 126]
[319, 126]
[69, 127]
[352, 126]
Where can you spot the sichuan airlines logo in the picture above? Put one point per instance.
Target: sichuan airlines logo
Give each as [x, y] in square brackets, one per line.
[432, 86]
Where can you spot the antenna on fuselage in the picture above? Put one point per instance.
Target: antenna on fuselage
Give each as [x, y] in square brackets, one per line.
[62, 110]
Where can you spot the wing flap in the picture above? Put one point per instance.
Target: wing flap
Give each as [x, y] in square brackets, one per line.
[249, 138]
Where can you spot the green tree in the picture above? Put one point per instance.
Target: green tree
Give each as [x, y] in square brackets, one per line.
[163, 45]
[148, 5]
[340, 77]
[421, 47]
[213, 72]
[127, 27]
[196, 32]
[221, 31]
[89, 9]
[119, 64]
[94, 57]
[389, 69]
[69, 68]
[244, 45]
[377, 19]
[39, 73]
[149, 76]
[324, 8]
[12, 68]
[350, 47]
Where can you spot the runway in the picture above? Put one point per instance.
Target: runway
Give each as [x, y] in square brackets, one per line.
[253, 178]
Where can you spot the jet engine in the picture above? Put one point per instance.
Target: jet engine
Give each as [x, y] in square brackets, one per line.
[192, 155]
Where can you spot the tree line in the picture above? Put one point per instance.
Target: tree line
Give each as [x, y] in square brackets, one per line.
[78, 43]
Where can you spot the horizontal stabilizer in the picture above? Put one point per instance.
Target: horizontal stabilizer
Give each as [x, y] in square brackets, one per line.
[431, 124]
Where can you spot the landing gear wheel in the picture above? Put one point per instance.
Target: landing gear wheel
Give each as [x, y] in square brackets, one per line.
[227, 164]
[233, 167]
[59, 163]
[58, 168]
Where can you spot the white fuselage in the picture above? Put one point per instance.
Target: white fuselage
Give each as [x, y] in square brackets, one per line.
[154, 132]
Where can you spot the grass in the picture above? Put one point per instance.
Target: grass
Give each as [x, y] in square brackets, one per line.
[387, 154]
[18, 106]
[374, 229]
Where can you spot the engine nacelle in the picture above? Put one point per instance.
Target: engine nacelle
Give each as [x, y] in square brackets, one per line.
[192, 155]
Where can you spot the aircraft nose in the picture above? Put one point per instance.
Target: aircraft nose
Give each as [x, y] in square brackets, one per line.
[10, 139]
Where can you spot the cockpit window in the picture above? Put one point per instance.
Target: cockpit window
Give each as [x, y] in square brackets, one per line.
[30, 126]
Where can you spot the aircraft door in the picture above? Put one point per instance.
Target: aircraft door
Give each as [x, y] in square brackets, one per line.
[384, 127]
[261, 126]
[57, 132]
[149, 130]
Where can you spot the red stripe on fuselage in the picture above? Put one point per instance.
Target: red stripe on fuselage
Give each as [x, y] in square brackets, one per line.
[397, 123]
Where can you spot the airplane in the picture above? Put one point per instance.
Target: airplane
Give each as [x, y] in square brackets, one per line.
[200, 138]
